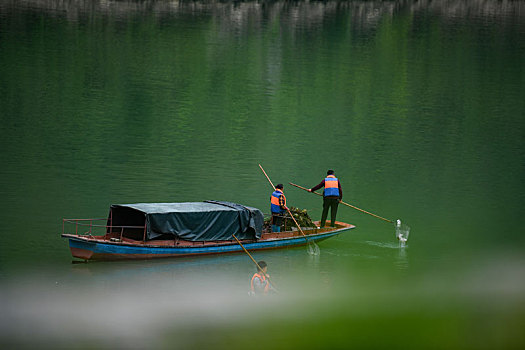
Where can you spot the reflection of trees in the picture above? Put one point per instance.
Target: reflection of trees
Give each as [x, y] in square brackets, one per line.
[298, 14]
[477, 8]
[175, 72]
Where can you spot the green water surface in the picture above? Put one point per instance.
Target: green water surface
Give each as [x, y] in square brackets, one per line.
[419, 107]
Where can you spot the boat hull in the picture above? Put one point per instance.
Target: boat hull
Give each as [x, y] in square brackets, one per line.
[91, 248]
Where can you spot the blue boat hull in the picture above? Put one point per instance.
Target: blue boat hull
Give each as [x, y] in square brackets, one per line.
[88, 248]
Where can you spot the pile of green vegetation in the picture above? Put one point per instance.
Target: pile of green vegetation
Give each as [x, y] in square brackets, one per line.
[300, 215]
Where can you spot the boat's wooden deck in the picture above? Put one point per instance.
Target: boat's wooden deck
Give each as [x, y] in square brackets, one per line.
[116, 239]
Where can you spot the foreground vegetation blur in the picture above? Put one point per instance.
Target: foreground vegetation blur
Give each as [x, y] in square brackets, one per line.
[417, 106]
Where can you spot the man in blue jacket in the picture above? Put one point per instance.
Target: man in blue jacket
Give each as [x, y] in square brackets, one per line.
[278, 207]
[332, 195]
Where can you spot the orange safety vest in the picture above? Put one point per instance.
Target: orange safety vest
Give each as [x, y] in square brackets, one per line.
[331, 186]
[274, 199]
[262, 277]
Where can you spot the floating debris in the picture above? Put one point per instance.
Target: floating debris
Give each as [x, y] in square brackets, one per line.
[300, 215]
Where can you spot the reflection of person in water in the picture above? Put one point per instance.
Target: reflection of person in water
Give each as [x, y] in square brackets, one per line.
[260, 283]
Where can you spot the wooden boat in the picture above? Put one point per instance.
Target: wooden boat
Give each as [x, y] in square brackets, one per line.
[161, 230]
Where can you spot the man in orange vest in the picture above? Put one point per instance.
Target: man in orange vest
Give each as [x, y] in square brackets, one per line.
[260, 284]
[332, 195]
[278, 207]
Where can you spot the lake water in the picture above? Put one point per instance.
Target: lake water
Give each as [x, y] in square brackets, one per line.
[419, 107]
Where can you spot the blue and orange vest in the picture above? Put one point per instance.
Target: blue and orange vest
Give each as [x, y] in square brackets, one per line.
[276, 208]
[331, 186]
[262, 277]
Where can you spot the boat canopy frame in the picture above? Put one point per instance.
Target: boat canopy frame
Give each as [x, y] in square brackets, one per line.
[191, 221]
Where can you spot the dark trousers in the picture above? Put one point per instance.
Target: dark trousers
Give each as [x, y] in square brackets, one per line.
[277, 220]
[329, 203]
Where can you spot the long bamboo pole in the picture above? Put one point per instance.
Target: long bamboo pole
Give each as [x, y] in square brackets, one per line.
[351, 206]
[299, 227]
[255, 262]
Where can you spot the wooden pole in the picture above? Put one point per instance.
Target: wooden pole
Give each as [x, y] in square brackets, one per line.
[255, 262]
[264, 172]
[349, 205]
[298, 227]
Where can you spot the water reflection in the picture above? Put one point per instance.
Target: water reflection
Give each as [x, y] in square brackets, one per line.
[120, 101]
[300, 14]
[399, 250]
[402, 257]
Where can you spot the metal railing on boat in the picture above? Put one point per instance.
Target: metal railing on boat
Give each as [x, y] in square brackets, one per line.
[92, 225]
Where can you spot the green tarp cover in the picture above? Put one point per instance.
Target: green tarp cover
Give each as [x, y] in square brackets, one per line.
[192, 221]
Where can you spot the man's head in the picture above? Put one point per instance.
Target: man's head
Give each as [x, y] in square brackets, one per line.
[330, 172]
[262, 266]
[279, 186]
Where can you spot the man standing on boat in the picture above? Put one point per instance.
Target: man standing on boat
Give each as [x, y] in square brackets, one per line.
[260, 284]
[332, 195]
[278, 207]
